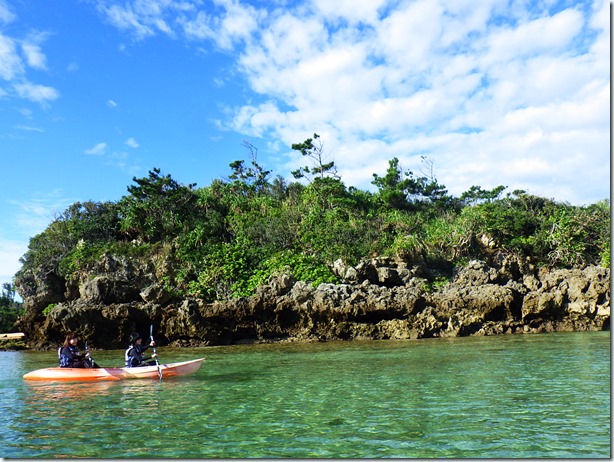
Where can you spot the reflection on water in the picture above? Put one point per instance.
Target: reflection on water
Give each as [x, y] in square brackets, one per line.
[74, 419]
[516, 396]
[40, 391]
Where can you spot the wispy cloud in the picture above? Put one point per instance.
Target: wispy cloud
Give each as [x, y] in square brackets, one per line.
[116, 158]
[97, 150]
[132, 143]
[6, 15]
[32, 52]
[144, 18]
[36, 93]
[34, 215]
[123, 161]
[25, 112]
[16, 56]
[26, 219]
[11, 64]
[29, 128]
[232, 23]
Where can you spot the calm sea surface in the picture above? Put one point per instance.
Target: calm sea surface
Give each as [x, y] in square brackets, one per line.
[545, 395]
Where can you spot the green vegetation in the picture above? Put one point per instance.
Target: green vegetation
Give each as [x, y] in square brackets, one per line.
[48, 308]
[225, 239]
[10, 310]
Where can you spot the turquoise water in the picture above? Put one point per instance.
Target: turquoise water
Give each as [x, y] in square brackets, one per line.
[545, 395]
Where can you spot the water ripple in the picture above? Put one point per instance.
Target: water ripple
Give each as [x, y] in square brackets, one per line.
[545, 395]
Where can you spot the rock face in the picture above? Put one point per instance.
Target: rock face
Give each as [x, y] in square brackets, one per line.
[378, 299]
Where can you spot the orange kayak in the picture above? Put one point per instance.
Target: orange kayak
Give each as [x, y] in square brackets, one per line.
[115, 373]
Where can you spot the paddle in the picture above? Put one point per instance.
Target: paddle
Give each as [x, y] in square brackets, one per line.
[151, 339]
[92, 362]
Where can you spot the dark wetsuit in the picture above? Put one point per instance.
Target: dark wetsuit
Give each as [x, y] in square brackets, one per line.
[70, 357]
[134, 356]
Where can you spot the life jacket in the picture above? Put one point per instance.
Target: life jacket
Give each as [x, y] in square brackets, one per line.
[65, 360]
[131, 361]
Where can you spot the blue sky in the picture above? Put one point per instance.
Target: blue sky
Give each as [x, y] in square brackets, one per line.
[95, 92]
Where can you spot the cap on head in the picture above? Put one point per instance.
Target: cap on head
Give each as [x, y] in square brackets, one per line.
[134, 337]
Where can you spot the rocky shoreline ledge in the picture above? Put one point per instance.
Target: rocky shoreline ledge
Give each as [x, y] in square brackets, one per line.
[377, 299]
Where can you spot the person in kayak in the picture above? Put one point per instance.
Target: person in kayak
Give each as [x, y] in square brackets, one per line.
[134, 354]
[71, 357]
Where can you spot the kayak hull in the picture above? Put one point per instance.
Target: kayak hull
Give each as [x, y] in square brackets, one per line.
[115, 373]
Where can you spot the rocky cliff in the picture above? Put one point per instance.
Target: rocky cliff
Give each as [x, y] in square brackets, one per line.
[378, 299]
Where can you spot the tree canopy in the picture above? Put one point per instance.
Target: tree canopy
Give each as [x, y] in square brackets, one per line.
[232, 235]
[10, 309]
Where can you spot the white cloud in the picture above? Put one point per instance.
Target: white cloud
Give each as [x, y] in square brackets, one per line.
[464, 17]
[408, 35]
[586, 113]
[6, 16]
[237, 24]
[117, 159]
[132, 143]
[601, 15]
[15, 56]
[352, 11]
[36, 93]
[226, 23]
[10, 62]
[145, 18]
[516, 89]
[540, 36]
[286, 50]
[128, 19]
[33, 53]
[495, 93]
[97, 150]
